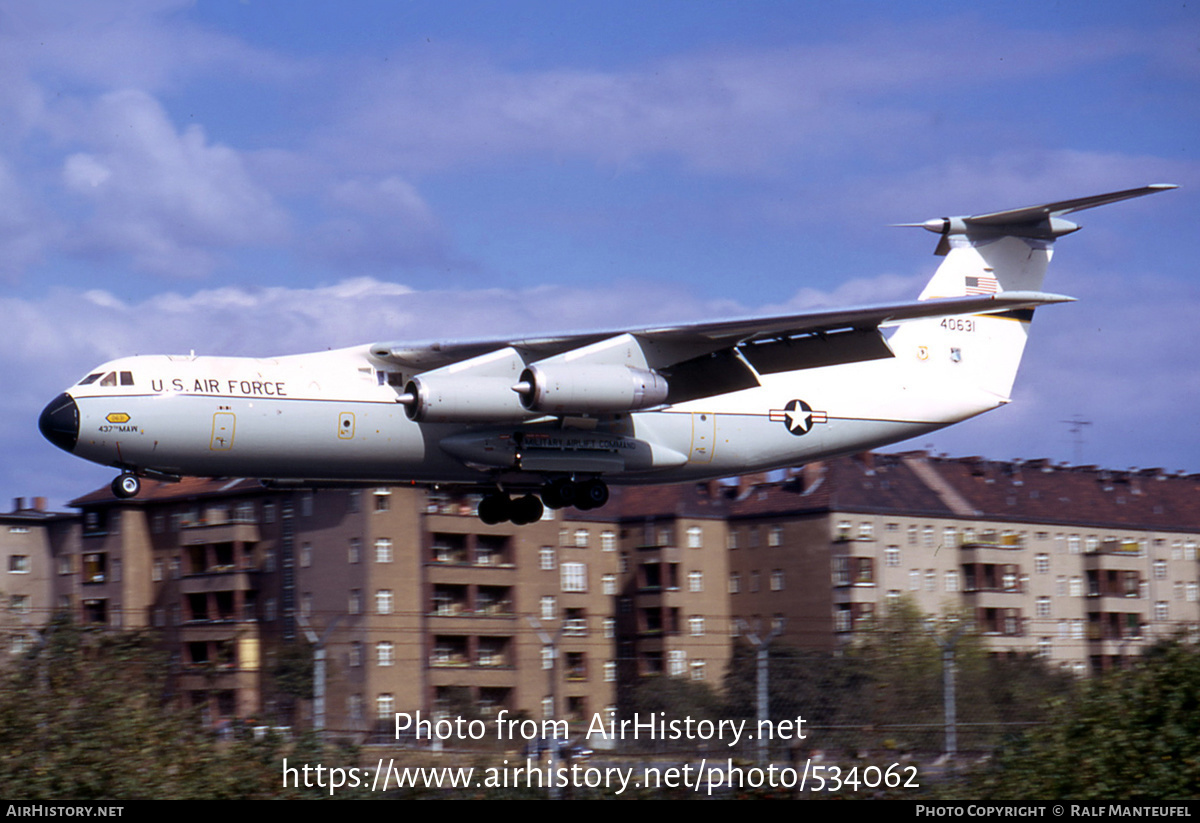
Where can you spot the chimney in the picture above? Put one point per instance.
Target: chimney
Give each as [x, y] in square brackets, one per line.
[39, 504]
[18, 504]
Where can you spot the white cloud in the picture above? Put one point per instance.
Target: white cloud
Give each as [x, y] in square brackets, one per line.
[166, 198]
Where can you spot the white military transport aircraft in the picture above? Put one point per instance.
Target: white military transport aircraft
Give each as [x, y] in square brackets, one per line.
[552, 420]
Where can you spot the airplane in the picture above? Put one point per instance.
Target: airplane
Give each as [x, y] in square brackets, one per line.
[551, 421]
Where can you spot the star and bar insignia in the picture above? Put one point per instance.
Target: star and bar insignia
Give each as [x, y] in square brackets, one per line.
[798, 417]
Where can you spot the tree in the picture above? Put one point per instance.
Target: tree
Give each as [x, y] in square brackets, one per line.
[85, 715]
[1130, 735]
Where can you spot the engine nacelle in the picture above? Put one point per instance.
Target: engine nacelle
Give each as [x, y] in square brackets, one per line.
[574, 388]
[456, 398]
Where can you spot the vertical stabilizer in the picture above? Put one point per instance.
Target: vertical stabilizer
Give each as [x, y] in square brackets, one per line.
[990, 254]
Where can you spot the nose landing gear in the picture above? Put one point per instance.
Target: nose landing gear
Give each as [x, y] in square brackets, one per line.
[126, 485]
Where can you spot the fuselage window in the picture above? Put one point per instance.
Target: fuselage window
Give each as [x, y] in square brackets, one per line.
[126, 378]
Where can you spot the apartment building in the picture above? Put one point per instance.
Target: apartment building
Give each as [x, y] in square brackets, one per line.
[417, 604]
[1080, 565]
[33, 542]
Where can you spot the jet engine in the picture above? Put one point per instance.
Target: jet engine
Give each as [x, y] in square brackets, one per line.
[573, 388]
[455, 398]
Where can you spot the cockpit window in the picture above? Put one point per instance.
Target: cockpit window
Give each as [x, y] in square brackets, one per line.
[126, 378]
[109, 379]
[91, 378]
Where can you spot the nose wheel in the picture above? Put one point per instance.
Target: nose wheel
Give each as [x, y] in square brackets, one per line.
[126, 485]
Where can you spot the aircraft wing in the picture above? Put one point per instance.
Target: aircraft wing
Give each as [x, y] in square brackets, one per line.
[681, 342]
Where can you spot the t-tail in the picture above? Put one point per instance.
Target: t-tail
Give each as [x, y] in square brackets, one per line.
[995, 253]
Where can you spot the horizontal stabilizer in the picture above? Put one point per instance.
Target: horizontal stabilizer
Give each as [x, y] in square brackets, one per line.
[1045, 221]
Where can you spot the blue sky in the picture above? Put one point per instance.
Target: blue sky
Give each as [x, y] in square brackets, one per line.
[272, 177]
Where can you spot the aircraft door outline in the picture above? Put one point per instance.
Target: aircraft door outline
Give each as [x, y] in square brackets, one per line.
[223, 427]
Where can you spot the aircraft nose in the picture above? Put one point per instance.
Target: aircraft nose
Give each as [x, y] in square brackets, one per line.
[59, 422]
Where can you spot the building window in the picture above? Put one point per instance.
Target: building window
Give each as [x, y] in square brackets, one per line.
[383, 601]
[20, 604]
[610, 628]
[608, 584]
[928, 532]
[891, 556]
[1041, 564]
[1073, 544]
[699, 670]
[914, 580]
[95, 566]
[383, 550]
[385, 706]
[581, 538]
[156, 573]
[1193, 592]
[676, 662]
[775, 536]
[866, 531]
[18, 564]
[383, 499]
[574, 577]
[1043, 607]
[1160, 570]
[269, 609]
[355, 654]
[306, 504]
[912, 535]
[1162, 611]
[951, 581]
[735, 583]
[777, 580]
[949, 536]
[1076, 589]
[385, 653]
[547, 657]
[355, 603]
[305, 555]
[306, 604]
[608, 541]
[610, 671]
[695, 538]
[354, 551]
[549, 607]
[696, 581]
[696, 625]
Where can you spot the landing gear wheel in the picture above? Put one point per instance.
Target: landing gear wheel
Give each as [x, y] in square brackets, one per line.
[560, 493]
[126, 486]
[591, 495]
[525, 510]
[494, 508]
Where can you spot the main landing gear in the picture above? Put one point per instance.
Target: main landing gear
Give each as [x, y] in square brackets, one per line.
[126, 485]
[498, 507]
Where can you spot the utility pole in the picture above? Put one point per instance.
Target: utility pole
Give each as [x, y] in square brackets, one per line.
[550, 641]
[949, 645]
[318, 644]
[762, 675]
